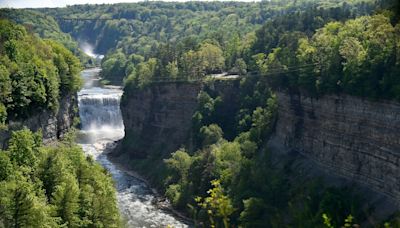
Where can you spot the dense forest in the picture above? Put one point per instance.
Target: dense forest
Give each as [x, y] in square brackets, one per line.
[45, 27]
[225, 175]
[175, 39]
[181, 41]
[34, 73]
[53, 186]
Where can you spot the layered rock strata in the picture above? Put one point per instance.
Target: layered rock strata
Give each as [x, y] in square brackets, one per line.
[352, 137]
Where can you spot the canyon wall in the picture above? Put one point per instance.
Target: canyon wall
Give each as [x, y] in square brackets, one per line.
[349, 136]
[52, 125]
[158, 118]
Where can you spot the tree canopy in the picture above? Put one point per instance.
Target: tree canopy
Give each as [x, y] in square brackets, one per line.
[47, 186]
[34, 73]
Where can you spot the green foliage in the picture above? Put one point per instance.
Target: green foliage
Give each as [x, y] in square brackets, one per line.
[228, 162]
[348, 222]
[212, 58]
[142, 75]
[22, 205]
[114, 67]
[33, 73]
[3, 114]
[241, 67]
[253, 210]
[65, 199]
[23, 148]
[210, 134]
[327, 221]
[263, 120]
[172, 69]
[357, 57]
[68, 68]
[305, 46]
[45, 27]
[194, 38]
[217, 205]
[178, 166]
[53, 186]
[6, 167]
[180, 163]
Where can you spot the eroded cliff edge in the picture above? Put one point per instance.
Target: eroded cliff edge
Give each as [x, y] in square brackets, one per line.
[53, 125]
[352, 137]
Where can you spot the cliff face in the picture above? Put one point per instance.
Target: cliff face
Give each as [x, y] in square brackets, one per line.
[355, 138]
[52, 125]
[345, 135]
[158, 118]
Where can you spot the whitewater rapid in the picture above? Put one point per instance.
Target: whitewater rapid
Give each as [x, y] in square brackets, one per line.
[101, 125]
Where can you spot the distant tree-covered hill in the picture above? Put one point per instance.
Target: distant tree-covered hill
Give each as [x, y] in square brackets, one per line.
[174, 34]
[45, 27]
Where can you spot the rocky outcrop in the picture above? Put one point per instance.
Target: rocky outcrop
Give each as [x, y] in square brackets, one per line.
[158, 118]
[53, 125]
[349, 136]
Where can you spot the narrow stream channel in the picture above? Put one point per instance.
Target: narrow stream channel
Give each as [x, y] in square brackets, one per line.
[102, 124]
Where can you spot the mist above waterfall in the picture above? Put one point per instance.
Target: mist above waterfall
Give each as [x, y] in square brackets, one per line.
[89, 50]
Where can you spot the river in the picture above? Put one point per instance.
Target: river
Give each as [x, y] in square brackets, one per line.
[101, 124]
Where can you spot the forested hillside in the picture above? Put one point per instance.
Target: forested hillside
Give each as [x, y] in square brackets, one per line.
[358, 57]
[34, 73]
[45, 27]
[176, 39]
[53, 186]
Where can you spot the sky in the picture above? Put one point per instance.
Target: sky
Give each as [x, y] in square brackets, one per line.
[61, 3]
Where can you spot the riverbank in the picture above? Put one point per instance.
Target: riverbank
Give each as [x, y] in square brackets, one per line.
[160, 201]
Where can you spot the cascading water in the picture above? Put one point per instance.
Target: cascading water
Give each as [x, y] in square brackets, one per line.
[100, 114]
[101, 124]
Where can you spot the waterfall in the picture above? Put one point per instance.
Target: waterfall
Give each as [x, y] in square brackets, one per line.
[100, 113]
[101, 123]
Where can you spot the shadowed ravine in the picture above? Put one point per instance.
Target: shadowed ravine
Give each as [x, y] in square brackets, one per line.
[102, 124]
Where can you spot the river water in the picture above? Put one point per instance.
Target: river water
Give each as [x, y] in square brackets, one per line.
[101, 124]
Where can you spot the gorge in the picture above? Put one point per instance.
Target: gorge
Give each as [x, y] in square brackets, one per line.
[101, 124]
[345, 139]
[205, 114]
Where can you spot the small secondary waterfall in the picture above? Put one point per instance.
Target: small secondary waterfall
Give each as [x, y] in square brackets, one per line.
[101, 124]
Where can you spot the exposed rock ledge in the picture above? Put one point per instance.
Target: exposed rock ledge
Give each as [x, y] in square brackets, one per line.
[53, 126]
[352, 137]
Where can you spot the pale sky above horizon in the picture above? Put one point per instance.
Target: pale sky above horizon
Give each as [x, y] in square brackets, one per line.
[63, 3]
